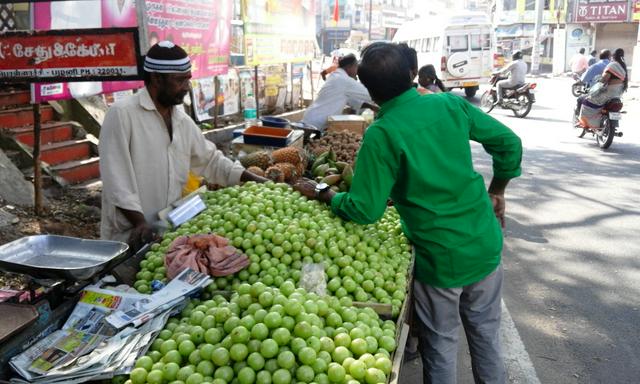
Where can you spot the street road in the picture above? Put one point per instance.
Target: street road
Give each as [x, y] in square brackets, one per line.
[572, 254]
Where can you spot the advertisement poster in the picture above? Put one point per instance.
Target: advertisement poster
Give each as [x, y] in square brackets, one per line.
[297, 77]
[231, 88]
[275, 87]
[202, 28]
[279, 31]
[246, 77]
[636, 10]
[82, 14]
[204, 98]
[600, 11]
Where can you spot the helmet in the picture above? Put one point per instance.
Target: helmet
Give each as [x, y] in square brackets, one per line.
[516, 55]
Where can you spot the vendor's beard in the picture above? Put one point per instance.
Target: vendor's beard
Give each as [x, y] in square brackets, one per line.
[169, 100]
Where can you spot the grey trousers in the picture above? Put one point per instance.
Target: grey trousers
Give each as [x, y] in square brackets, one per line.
[438, 314]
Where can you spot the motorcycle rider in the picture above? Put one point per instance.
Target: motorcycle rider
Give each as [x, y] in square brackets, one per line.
[518, 70]
[590, 77]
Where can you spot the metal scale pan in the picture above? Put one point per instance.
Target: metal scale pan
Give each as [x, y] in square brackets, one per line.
[60, 256]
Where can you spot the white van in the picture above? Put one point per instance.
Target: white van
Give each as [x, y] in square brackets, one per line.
[461, 47]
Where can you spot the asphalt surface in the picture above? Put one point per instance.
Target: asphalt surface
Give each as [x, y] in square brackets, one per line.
[572, 254]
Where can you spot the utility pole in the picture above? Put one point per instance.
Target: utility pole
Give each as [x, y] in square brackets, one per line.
[370, 13]
[537, 30]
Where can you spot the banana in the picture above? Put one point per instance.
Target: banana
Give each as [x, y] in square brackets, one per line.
[332, 179]
[320, 160]
[321, 170]
[341, 165]
[347, 175]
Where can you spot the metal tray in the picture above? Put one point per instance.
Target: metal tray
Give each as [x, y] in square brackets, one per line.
[61, 256]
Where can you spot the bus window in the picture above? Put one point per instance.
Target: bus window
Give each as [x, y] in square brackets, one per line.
[425, 45]
[435, 47]
[486, 41]
[458, 43]
[476, 42]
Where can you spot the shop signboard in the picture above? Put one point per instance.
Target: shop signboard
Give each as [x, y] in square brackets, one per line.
[279, 31]
[70, 55]
[601, 11]
[59, 15]
[202, 28]
[636, 10]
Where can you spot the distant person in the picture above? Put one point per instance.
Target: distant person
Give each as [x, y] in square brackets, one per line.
[579, 62]
[594, 57]
[429, 81]
[614, 80]
[595, 70]
[340, 89]
[518, 71]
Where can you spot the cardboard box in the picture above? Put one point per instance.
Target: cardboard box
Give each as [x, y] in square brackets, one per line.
[352, 123]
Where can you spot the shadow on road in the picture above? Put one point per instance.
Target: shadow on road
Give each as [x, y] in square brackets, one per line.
[560, 234]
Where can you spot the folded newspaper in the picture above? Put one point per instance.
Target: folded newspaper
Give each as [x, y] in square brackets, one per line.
[105, 334]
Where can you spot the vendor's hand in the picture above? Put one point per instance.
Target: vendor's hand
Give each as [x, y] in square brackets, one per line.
[306, 187]
[140, 235]
[497, 200]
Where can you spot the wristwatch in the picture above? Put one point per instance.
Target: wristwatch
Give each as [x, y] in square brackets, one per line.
[321, 187]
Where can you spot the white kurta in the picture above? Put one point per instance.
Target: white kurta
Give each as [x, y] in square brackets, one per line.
[339, 90]
[143, 170]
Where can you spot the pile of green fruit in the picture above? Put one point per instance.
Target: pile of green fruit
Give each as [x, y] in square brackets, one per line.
[280, 230]
[338, 174]
[266, 335]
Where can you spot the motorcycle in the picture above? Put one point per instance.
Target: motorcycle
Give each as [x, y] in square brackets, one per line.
[519, 100]
[609, 123]
[579, 88]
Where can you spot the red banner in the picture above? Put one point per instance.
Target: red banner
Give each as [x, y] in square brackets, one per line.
[600, 11]
[77, 55]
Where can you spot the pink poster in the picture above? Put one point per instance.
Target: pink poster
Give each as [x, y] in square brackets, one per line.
[202, 28]
[82, 14]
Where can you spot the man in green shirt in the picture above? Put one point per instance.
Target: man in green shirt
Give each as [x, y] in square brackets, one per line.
[417, 152]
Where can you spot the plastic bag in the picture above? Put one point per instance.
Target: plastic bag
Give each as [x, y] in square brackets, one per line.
[313, 279]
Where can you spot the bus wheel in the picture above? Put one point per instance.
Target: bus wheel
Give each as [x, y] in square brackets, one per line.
[470, 91]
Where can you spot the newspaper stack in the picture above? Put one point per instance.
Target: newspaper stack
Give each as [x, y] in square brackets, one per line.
[105, 334]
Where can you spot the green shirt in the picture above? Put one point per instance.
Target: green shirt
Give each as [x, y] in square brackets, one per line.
[418, 153]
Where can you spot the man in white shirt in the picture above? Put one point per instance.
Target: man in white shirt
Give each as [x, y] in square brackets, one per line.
[341, 89]
[148, 145]
[518, 70]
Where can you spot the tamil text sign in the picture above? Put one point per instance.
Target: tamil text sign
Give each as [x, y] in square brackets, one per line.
[202, 28]
[71, 55]
[600, 11]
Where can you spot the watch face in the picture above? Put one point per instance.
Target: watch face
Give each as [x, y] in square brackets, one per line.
[322, 186]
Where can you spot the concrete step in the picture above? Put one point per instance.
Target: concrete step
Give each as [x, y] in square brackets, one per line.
[79, 171]
[65, 151]
[23, 116]
[14, 97]
[51, 132]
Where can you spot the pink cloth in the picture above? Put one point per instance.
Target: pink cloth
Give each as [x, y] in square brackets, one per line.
[206, 253]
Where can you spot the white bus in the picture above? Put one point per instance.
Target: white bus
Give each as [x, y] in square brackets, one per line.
[461, 47]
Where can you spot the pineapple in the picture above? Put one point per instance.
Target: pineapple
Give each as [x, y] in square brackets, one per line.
[256, 170]
[290, 155]
[274, 173]
[260, 159]
[289, 171]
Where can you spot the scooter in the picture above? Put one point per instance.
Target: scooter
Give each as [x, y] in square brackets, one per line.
[579, 88]
[609, 123]
[519, 100]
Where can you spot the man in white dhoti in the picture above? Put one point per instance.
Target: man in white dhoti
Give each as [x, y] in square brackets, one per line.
[148, 145]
